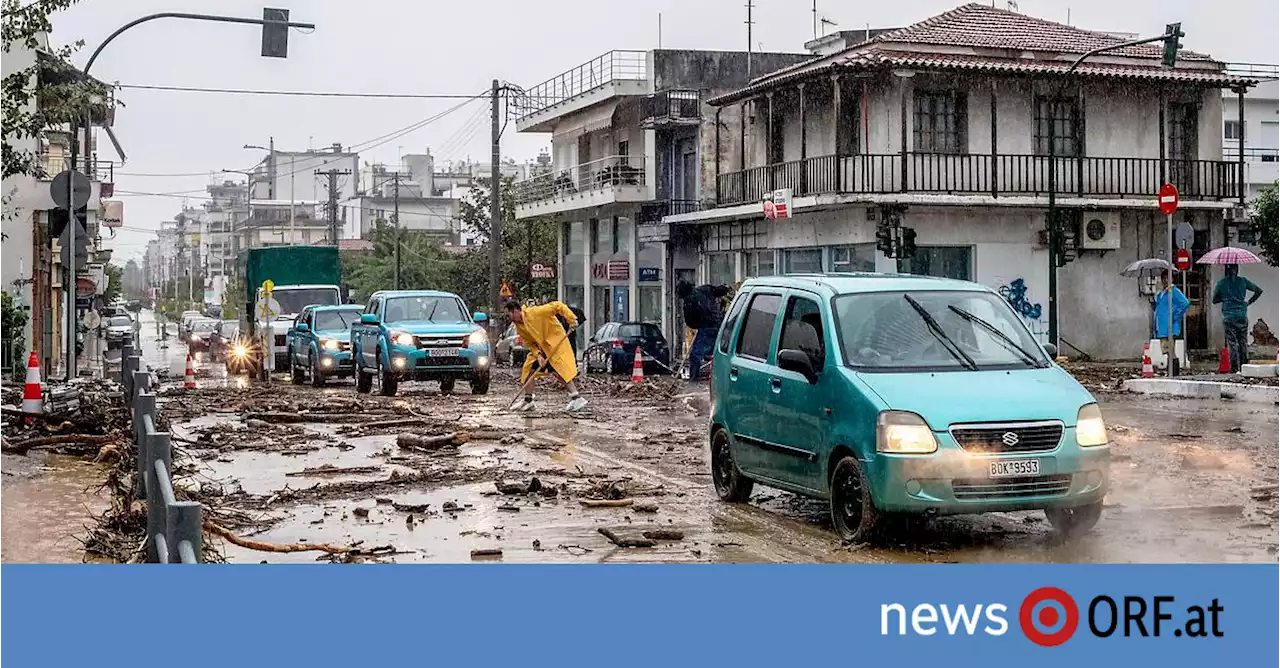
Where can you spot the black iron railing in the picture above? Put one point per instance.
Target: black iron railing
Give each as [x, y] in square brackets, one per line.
[653, 212]
[997, 176]
[672, 107]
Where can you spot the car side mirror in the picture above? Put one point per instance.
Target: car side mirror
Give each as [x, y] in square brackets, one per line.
[479, 318]
[1052, 351]
[368, 318]
[302, 328]
[799, 362]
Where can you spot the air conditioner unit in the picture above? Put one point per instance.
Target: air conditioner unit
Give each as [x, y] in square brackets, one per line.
[1100, 230]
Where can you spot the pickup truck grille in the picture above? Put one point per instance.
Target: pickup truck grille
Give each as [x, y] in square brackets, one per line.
[448, 341]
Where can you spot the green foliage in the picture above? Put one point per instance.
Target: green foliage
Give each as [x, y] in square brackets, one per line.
[524, 242]
[1264, 217]
[115, 280]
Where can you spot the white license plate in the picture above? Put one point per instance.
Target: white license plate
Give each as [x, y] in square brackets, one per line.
[443, 352]
[1014, 467]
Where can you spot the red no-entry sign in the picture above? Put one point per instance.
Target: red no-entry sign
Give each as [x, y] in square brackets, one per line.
[1182, 259]
[1168, 199]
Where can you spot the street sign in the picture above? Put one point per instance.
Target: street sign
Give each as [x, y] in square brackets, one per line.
[81, 189]
[505, 291]
[1168, 199]
[618, 270]
[648, 275]
[1184, 235]
[267, 307]
[268, 285]
[777, 204]
[92, 320]
[1182, 259]
[539, 270]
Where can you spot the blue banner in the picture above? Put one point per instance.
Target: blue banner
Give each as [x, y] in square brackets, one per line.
[643, 615]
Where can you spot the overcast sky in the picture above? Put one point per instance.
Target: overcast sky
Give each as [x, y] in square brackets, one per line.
[435, 46]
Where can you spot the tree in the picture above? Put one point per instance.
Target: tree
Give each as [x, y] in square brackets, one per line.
[1264, 217]
[524, 242]
[13, 326]
[115, 279]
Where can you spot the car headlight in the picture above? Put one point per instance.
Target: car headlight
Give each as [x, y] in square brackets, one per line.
[904, 433]
[478, 336]
[403, 339]
[330, 344]
[240, 350]
[1090, 429]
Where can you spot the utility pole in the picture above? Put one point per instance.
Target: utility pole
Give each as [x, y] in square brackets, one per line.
[495, 205]
[749, 22]
[333, 175]
[395, 217]
[291, 198]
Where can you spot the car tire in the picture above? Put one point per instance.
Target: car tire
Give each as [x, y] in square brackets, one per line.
[317, 378]
[446, 386]
[364, 380]
[728, 480]
[387, 383]
[1073, 522]
[296, 375]
[853, 512]
[480, 385]
[608, 363]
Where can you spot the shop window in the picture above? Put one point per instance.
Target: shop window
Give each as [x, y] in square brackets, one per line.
[802, 261]
[855, 257]
[940, 261]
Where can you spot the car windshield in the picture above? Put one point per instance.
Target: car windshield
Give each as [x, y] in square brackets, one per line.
[327, 320]
[120, 321]
[431, 309]
[203, 325]
[638, 330]
[293, 301]
[885, 331]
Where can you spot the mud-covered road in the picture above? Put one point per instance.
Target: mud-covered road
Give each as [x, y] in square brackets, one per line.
[1193, 481]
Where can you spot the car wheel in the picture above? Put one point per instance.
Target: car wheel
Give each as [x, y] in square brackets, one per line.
[296, 375]
[364, 380]
[446, 386]
[729, 482]
[608, 363]
[480, 385]
[317, 378]
[386, 380]
[853, 513]
[1072, 522]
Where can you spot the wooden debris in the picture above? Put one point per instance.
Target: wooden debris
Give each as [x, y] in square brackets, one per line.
[330, 469]
[429, 443]
[621, 541]
[486, 553]
[645, 507]
[664, 534]
[410, 507]
[360, 512]
[260, 546]
[606, 503]
[21, 447]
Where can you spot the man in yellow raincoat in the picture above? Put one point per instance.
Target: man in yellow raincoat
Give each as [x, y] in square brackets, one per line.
[547, 339]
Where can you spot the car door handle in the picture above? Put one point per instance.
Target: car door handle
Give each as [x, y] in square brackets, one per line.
[733, 373]
[776, 384]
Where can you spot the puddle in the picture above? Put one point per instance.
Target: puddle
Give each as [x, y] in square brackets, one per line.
[45, 511]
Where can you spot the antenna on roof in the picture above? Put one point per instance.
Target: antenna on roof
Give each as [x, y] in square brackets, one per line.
[749, 22]
[1011, 5]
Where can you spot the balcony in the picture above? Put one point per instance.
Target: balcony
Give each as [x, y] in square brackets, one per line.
[996, 176]
[619, 178]
[612, 74]
[672, 107]
[653, 212]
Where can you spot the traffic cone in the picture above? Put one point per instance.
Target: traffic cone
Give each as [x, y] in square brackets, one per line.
[637, 369]
[32, 395]
[189, 380]
[1147, 370]
[1224, 361]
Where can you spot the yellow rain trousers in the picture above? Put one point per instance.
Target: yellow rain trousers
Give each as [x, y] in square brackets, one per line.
[543, 333]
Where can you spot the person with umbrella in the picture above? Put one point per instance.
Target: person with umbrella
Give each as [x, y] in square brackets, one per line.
[1169, 296]
[1235, 312]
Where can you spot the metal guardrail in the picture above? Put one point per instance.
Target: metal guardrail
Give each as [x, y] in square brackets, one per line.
[618, 170]
[175, 529]
[612, 66]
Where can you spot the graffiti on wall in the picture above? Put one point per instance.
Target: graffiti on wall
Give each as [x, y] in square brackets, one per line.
[1016, 294]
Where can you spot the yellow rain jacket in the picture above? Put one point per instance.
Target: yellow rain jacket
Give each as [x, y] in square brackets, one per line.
[543, 333]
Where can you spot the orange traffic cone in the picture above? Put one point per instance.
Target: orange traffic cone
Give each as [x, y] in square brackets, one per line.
[32, 395]
[1224, 361]
[189, 379]
[1147, 370]
[637, 369]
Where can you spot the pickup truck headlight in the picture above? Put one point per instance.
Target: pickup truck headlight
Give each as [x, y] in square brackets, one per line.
[330, 344]
[403, 339]
[240, 351]
[1090, 429]
[478, 336]
[904, 433]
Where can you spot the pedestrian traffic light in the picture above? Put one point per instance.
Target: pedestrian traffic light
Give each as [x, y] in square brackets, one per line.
[1172, 42]
[884, 238]
[908, 242]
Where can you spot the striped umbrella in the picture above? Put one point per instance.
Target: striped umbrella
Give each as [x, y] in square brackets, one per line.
[1229, 255]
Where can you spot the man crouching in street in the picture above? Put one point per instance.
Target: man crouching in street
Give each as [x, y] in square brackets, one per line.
[546, 338]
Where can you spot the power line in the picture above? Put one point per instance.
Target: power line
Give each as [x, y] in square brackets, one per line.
[296, 93]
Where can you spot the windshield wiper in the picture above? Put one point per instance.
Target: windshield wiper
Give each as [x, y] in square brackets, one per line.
[431, 316]
[998, 335]
[936, 329]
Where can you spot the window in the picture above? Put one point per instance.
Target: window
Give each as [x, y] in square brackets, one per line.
[1183, 136]
[757, 329]
[777, 130]
[720, 269]
[849, 126]
[731, 322]
[1064, 115]
[604, 236]
[624, 148]
[1232, 130]
[802, 261]
[802, 330]
[941, 261]
[374, 305]
[759, 263]
[941, 121]
[623, 231]
[858, 257]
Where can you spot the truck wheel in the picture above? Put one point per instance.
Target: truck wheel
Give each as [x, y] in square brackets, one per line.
[386, 381]
[446, 386]
[317, 378]
[480, 385]
[364, 381]
[296, 375]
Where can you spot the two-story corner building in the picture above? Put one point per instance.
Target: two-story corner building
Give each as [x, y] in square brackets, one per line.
[951, 119]
[631, 137]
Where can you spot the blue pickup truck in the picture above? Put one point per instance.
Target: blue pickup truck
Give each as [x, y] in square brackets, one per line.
[319, 343]
[419, 335]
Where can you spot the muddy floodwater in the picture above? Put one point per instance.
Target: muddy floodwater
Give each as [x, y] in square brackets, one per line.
[47, 503]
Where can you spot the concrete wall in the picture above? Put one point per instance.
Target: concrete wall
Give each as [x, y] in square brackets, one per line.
[715, 71]
[17, 257]
[431, 215]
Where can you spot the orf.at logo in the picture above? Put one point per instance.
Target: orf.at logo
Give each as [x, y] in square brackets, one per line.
[1048, 616]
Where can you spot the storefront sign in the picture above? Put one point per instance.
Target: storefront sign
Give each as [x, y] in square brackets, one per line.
[112, 213]
[619, 270]
[648, 275]
[539, 270]
[777, 204]
[85, 286]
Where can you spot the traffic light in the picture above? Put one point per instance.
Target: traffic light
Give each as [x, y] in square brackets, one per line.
[908, 241]
[275, 33]
[884, 237]
[1172, 42]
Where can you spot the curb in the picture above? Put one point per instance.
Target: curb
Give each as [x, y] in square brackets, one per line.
[1203, 389]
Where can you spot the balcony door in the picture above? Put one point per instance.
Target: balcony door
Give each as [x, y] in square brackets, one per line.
[686, 165]
[1184, 138]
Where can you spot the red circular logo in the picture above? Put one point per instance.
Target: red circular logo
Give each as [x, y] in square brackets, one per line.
[1048, 616]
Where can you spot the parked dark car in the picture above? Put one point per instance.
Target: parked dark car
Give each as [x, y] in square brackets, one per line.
[222, 339]
[613, 348]
[201, 334]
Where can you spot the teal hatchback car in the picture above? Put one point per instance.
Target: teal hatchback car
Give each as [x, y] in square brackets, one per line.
[892, 394]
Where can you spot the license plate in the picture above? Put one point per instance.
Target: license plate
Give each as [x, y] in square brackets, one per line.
[443, 352]
[1014, 467]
